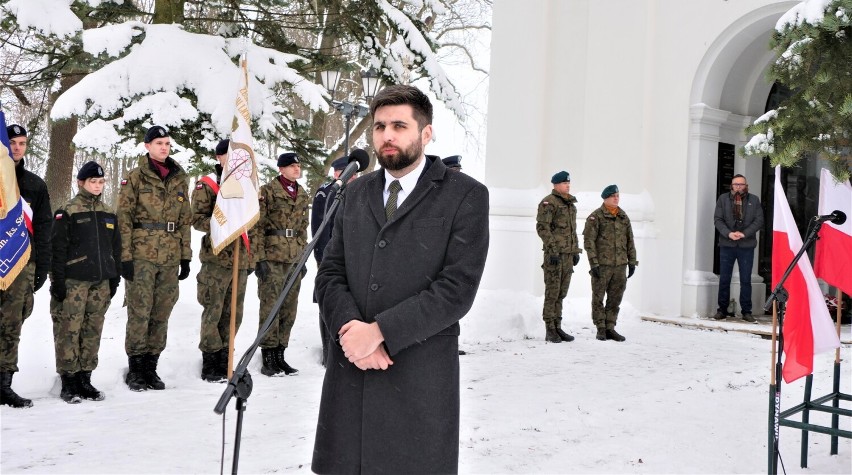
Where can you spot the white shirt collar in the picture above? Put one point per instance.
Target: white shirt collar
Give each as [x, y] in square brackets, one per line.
[408, 182]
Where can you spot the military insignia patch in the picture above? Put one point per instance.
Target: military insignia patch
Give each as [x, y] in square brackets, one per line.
[199, 186]
[181, 197]
[58, 216]
[110, 226]
[124, 182]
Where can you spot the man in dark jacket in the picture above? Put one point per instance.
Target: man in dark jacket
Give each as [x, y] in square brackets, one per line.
[16, 302]
[738, 218]
[392, 286]
[319, 209]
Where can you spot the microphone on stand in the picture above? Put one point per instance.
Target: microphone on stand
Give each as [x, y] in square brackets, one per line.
[358, 162]
[836, 217]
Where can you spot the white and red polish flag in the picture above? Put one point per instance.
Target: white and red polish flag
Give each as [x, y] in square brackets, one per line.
[833, 257]
[808, 328]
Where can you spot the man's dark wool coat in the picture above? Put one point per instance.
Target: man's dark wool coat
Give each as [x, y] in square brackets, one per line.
[416, 275]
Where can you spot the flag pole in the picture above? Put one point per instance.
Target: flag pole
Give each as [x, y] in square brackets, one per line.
[235, 282]
[835, 417]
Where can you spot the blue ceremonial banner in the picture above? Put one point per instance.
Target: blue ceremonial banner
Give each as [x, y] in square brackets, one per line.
[14, 233]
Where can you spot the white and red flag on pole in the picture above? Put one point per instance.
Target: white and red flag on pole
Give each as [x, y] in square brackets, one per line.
[808, 328]
[833, 257]
[237, 208]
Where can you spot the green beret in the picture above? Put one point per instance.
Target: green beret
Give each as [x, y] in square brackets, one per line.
[609, 191]
[560, 177]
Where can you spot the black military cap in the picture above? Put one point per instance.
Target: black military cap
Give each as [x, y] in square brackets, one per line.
[609, 191]
[340, 163]
[90, 170]
[287, 159]
[16, 130]
[222, 147]
[155, 132]
[560, 177]
[453, 161]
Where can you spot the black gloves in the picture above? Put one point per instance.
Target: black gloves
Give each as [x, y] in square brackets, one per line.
[554, 259]
[58, 290]
[127, 270]
[184, 269]
[262, 270]
[113, 286]
[630, 270]
[575, 258]
[595, 272]
[39, 279]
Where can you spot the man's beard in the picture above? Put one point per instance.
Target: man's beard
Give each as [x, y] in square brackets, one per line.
[403, 158]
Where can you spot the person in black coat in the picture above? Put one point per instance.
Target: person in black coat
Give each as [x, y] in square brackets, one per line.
[323, 200]
[16, 302]
[402, 268]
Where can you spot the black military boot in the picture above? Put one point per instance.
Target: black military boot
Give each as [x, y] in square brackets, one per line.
[152, 379]
[8, 397]
[87, 391]
[550, 334]
[611, 334]
[279, 357]
[70, 392]
[210, 367]
[270, 362]
[135, 378]
[601, 334]
[564, 336]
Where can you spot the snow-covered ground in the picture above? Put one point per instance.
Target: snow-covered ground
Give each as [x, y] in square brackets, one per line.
[668, 400]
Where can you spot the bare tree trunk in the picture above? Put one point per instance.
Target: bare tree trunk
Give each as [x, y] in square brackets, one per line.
[60, 164]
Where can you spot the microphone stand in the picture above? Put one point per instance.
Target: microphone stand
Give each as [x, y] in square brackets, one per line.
[240, 382]
[780, 295]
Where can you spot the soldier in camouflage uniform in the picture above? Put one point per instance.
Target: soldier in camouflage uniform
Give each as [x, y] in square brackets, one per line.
[556, 224]
[214, 279]
[154, 217]
[281, 238]
[16, 302]
[608, 240]
[83, 278]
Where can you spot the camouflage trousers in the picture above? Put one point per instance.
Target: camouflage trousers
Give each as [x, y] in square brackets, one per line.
[612, 283]
[16, 304]
[267, 292]
[149, 299]
[77, 325]
[214, 294]
[557, 278]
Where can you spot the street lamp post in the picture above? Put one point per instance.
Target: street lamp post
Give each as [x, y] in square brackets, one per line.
[369, 82]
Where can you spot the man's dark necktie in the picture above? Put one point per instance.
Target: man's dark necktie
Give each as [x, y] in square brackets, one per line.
[390, 207]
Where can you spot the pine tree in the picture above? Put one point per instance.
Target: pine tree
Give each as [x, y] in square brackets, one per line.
[815, 54]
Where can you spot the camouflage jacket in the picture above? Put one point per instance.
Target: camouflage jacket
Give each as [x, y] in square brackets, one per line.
[86, 242]
[556, 224]
[283, 226]
[608, 239]
[154, 214]
[203, 202]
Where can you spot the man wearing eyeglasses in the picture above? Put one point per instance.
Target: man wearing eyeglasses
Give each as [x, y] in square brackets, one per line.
[738, 218]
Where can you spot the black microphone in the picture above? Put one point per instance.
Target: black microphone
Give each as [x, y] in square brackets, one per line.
[358, 162]
[836, 217]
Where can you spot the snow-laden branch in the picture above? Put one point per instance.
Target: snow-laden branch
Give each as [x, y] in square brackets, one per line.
[147, 80]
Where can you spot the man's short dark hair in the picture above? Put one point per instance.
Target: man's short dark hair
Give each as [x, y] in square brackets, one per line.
[737, 176]
[397, 95]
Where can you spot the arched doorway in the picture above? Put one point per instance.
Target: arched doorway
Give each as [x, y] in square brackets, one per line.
[729, 91]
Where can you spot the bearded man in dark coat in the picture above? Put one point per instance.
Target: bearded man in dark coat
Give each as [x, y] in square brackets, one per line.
[402, 268]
